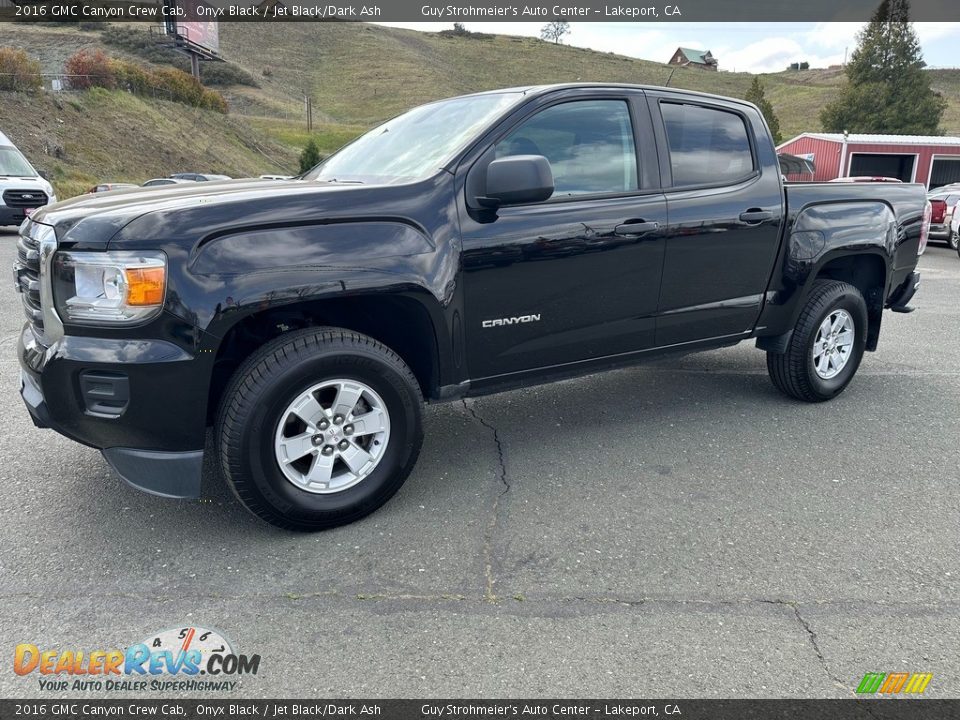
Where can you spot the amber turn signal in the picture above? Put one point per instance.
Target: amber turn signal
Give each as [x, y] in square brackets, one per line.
[145, 286]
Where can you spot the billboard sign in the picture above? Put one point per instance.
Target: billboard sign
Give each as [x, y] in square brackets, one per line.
[204, 34]
[200, 35]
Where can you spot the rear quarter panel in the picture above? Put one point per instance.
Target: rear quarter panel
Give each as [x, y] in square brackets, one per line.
[828, 221]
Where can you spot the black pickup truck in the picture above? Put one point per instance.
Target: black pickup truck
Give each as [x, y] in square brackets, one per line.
[468, 246]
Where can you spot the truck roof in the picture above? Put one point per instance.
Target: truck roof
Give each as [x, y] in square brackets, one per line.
[541, 89]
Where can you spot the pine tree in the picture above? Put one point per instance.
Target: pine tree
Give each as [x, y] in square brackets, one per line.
[887, 90]
[310, 156]
[758, 97]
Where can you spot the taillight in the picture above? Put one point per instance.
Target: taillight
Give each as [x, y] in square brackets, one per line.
[925, 227]
[939, 208]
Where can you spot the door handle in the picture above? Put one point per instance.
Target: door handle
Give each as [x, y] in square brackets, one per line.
[635, 228]
[755, 215]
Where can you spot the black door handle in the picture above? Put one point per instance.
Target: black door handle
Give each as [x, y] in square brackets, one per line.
[635, 228]
[754, 215]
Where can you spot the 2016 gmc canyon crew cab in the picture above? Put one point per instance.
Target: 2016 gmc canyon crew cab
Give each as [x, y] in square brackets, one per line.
[468, 246]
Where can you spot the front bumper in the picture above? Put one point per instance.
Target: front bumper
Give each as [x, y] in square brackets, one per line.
[11, 216]
[141, 402]
[939, 232]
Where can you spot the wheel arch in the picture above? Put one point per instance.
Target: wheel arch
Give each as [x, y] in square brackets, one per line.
[854, 241]
[403, 322]
[868, 271]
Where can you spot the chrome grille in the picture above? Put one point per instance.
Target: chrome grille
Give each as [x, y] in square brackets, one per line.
[24, 198]
[26, 271]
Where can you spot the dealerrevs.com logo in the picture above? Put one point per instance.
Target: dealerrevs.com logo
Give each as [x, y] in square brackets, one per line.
[180, 659]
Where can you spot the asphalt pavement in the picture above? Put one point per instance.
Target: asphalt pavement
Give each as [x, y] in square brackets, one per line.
[675, 529]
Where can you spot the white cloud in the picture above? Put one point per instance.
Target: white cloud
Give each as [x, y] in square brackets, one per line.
[772, 55]
[930, 32]
[744, 47]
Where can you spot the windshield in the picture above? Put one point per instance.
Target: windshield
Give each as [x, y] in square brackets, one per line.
[12, 163]
[415, 144]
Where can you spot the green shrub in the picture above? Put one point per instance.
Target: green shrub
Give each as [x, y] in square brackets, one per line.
[183, 87]
[18, 71]
[224, 74]
[310, 156]
[130, 77]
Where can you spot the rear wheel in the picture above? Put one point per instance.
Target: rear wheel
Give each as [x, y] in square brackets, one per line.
[319, 428]
[955, 239]
[827, 344]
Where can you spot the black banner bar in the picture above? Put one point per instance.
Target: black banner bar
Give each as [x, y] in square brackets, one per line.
[876, 709]
[485, 10]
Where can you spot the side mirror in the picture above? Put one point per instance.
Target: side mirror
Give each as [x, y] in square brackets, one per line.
[44, 174]
[518, 179]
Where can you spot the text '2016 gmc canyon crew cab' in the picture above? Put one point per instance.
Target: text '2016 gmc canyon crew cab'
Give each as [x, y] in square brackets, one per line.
[467, 246]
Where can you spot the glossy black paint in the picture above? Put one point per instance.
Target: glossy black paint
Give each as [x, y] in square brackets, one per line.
[611, 279]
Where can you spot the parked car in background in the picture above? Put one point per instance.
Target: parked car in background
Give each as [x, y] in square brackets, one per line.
[867, 178]
[944, 206]
[955, 227]
[166, 181]
[199, 177]
[22, 189]
[107, 187]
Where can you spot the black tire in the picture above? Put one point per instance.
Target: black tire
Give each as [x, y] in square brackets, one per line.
[954, 241]
[793, 371]
[262, 388]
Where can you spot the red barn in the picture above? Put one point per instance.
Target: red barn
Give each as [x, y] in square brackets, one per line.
[928, 159]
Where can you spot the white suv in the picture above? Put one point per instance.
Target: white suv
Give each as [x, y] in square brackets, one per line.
[22, 190]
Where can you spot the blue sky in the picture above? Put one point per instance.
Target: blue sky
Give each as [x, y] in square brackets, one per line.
[750, 47]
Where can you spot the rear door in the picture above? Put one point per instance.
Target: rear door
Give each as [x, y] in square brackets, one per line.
[576, 277]
[724, 199]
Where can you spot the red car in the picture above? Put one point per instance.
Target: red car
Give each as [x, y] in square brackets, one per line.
[867, 178]
[107, 187]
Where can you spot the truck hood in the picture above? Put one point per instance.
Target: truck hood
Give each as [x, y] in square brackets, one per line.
[96, 218]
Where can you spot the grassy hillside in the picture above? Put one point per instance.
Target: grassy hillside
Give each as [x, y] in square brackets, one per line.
[364, 73]
[356, 74]
[98, 136]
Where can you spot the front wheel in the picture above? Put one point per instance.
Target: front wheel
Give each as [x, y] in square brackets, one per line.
[955, 240]
[827, 344]
[319, 428]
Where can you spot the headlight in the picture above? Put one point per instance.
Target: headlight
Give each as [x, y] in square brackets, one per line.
[97, 288]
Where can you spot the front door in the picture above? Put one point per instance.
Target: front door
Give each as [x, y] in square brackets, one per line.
[576, 277]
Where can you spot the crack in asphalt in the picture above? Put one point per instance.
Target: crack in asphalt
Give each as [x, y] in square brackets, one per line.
[489, 595]
[812, 636]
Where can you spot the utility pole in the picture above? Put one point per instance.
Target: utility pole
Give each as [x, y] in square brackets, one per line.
[308, 107]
